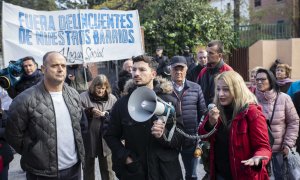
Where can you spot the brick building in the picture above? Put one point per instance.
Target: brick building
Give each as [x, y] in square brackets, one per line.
[276, 12]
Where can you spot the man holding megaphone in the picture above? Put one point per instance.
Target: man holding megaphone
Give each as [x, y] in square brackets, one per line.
[147, 153]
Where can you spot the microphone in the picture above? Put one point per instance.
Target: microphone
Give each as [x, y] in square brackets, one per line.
[210, 106]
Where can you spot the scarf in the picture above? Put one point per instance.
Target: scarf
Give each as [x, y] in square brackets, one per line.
[36, 73]
[284, 81]
[97, 99]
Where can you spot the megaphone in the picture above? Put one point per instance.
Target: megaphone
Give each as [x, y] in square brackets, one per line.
[143, 104]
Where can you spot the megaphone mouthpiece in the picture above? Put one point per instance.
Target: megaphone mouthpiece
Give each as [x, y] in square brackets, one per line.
[148, 105]
[143, 104]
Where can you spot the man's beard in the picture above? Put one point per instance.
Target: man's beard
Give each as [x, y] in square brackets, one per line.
[144, 84]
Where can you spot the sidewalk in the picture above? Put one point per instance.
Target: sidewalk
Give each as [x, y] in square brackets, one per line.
[16, 173]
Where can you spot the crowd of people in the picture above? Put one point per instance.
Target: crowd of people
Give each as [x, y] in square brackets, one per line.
[61, 119]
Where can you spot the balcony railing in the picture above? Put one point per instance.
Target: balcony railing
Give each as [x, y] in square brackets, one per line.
[249, 34]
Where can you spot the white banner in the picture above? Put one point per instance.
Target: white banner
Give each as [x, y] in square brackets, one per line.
[80, 35]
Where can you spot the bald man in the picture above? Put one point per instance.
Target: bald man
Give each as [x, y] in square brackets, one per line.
[45, 125]
[202, 61]
[127, 65]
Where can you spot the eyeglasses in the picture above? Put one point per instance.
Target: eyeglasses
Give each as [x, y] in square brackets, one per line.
[260, 79]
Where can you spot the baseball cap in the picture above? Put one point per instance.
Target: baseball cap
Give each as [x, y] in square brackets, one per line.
[159, 48]
[178, 61]
[186, 48]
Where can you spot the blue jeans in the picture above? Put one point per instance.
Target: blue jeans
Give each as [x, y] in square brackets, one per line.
[190, 163]
[279, 166]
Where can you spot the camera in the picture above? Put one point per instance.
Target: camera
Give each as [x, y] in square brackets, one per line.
[9, 76]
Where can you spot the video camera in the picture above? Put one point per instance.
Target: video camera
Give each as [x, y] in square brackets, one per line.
[9, 76]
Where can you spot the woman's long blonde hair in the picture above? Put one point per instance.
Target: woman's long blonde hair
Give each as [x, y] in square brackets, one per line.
[238, 89]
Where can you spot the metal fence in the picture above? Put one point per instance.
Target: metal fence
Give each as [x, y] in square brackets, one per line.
[249, 34]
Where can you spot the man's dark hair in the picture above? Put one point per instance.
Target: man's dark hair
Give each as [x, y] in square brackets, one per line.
[147, 59]
[271, 78]
[28, 58]
[219, 45]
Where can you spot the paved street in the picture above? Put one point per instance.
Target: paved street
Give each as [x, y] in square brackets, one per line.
[16, 173]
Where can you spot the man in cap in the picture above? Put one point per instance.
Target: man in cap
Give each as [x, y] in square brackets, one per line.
[192, 106]
[189, 58]
[163, 61]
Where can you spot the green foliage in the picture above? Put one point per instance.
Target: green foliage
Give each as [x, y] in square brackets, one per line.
[119, 4]
[176, 23]
[68, 4]
[46, 5]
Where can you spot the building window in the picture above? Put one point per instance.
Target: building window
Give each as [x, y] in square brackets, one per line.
[257, 3]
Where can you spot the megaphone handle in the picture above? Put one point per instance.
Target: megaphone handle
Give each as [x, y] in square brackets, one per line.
[171, 133]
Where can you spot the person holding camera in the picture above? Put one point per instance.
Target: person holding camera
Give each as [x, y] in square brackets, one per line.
[97, 102]
[77, 77]
[30, 77]
[147, 154]
[239, 148]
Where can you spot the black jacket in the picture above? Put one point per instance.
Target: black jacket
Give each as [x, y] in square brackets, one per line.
[31, 128]
[207, 79]
[153, 158]
[162, 69]
[192, 107]
[24, 83]
[193, 74]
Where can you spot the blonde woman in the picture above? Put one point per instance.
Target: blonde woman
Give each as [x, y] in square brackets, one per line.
[283, 76]
[97, 102]
[241, 137]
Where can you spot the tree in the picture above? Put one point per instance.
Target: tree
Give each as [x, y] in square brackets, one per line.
[176, 23]
[120, 4]
[71, 4]
[236, 14]
[46, 5]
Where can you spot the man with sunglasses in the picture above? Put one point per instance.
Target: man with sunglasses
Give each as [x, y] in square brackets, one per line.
[31, 76]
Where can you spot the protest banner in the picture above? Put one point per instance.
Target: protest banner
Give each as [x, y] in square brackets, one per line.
[81, 35]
